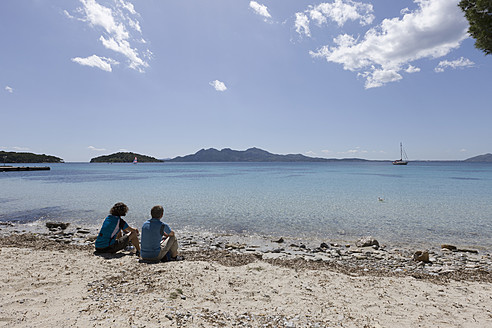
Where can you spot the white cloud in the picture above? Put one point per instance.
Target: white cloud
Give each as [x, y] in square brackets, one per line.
[123, 149]
[260, 9]
[302, 24]
[128, 6]
[380, 77]
[412, 69]
[98, 15]
[96, 149]
[20, 148]
[463, 150]
[123, 47]
[9, 89]
[135, 25]
[326, 151]
[310, 153]
[68, 15]
[116, 23]
[218, 85]
[354, 151]
[431, 31]
[96, 61]
[458, 63]
[339, 11]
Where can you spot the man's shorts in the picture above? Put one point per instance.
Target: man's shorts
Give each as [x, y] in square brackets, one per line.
[119, 244]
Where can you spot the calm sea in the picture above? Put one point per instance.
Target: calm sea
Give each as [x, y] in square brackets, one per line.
[426, 202]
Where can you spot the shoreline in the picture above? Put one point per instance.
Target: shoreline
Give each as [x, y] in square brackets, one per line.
[313, 240]
[52, 278]
[449, 262]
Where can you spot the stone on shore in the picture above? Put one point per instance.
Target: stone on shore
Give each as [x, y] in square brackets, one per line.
[367, 242]
[450, 247]
[420, 256]
[467, 251]
[57, 225]
[235, 246]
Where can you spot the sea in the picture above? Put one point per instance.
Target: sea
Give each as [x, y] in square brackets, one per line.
[421, 203]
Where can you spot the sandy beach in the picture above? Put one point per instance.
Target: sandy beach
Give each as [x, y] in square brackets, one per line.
[50, 283]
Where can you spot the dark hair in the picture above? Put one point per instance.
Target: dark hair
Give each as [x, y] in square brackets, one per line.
[157, 211]
[119, 209]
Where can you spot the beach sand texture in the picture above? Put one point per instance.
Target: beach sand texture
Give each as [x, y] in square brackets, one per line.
[67, 286]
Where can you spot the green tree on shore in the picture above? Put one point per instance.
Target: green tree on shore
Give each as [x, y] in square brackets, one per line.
[479, 15]
[124, 157]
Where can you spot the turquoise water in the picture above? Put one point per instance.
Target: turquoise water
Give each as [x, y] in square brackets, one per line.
[423, 202]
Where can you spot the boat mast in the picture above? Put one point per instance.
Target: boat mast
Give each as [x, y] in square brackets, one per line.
[401, 152]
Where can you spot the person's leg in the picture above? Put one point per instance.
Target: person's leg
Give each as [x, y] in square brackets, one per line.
[134, 241]
[174, 248]
[170, 244]
[162, 253]
[120, 244]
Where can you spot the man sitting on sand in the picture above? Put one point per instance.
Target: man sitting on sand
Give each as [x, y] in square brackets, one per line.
[110, 238]
[158, 240]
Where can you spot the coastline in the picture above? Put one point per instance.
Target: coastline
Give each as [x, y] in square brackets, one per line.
[337, 202]
[53, 278]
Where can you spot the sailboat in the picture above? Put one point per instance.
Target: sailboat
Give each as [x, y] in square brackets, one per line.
[135, 160]
[401, 161]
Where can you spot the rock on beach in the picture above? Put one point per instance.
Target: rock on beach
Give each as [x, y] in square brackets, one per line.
[367, 242]
[57, 225]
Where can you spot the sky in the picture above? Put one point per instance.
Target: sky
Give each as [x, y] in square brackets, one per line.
[334, 79]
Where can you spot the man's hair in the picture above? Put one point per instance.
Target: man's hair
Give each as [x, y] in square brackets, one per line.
[119, 209]
[157, 211]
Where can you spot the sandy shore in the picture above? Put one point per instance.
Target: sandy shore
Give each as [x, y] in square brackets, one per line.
[47, 283]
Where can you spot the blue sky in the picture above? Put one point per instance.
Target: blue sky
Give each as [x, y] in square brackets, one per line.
[335, 79]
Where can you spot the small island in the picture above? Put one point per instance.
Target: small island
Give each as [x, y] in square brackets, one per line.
[15, 157]
[124, 157]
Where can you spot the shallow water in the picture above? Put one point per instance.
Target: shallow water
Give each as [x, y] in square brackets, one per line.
[422, 202]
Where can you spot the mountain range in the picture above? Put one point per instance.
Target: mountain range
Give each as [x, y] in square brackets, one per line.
[249, 155]
[480, 158]
[203, 155]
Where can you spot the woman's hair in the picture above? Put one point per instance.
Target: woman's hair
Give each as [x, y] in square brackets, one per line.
[157, 211]
[119, 209]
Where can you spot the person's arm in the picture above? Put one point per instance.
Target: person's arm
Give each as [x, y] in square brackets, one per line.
[130, 230]
[126, 228]
[166, 231]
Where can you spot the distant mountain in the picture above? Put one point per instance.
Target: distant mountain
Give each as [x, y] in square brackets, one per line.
[14, 157]
[124, 158]
[249, 155]
[487, 158]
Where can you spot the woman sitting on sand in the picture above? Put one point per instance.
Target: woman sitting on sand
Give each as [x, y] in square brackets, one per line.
[110, 238]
